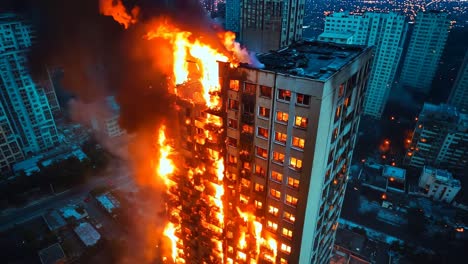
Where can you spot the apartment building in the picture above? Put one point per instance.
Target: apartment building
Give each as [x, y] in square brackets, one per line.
[438, 184]
[425, 48]
[107, 123]
[232, 21]
[287, 134]
[387, 33]
[459, 94]
[440, 139]
[266, 25]
[24, 103]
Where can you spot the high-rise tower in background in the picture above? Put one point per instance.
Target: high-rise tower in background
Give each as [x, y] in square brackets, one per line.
[425, 48]
[267, 24]
[287, 135]
[459, 94]
[26, 113]
[387, 33]
[232, 21]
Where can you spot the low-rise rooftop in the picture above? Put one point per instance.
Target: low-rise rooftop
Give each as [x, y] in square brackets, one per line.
[52, 255]
[395, 172]
[311, 59]
[88, 235]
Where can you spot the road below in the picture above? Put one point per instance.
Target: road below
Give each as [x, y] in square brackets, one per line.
[21, 215]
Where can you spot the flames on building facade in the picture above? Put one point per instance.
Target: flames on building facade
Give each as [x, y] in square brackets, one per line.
[201, 226]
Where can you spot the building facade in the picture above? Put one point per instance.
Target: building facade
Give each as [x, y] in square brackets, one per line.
[387, 33]
[459, 94]
[107, 124]
[287, 134]
[270, 24]
[440, 139]
[425, 48]
[232, 21]
[438, 184]
[24, 102]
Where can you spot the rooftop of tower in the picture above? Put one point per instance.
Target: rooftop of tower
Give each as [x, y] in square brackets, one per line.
[311, 59]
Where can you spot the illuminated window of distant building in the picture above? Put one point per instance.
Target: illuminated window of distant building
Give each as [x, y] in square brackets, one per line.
[262, 132]
[286, 232]
[278, 157]
[258, 204]
[259, 187]
[285, 248]
[263, 112]
[275, 193]
[261, 152]
[249, 88]
[281, 137]
[260, 171]
[283, 261]
[289, 217]
[273, 210]
[265, 91]
[284, 95]
[232, 123]
[291, 200]
[282, 117]
[298, 142]
[301, 122]
[233, 104]
[234, 85]
[295, 163]
[276, 176]
[272, 225]
[247, 129]
[293, 183]
[303, 99]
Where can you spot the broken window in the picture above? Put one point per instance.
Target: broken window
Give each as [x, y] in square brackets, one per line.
[284, 95]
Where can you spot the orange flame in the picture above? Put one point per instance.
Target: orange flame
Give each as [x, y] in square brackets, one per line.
[169, 232]
[166, 166]
[117, 10]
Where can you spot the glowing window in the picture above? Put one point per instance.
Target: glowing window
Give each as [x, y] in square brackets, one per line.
[291, 200]
[284, 95]
[232, 142]
[283, 261]
[232, 159]
[285, 248]
[234, 85]
[276, 176]
[278, 157]
[289, 217]
[295, 163]
[282, 116]
[341, 90]
[281, 137]
[303, 99]
[246, 165]
[293, 183]
[261, 152]
[259, 187]
[233, 104]
[264, 112]
[273, 210]
[272, 225]
[265, 91]
[301, 121]
[245, 182]
[286, 232]
[260, 171]
[275, 193]
[232, 123]
[298, 142]
[249, 88]
[247, 129]
[258, 204]
[262, 132]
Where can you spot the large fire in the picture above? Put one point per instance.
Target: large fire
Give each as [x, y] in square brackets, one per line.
[188, 49]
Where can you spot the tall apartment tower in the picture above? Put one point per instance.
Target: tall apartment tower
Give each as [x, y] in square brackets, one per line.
[440, 139]
[270, 24]
[425, 48]
[24, 102]
[459, 94]
[233, 15]
[386, 32]
[287, 134]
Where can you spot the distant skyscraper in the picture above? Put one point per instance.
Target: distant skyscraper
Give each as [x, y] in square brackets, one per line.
[425, 48]
[270, 24]
[233, 15]
[24, 103]
[440, 139]
[459, 94]
[384, 31]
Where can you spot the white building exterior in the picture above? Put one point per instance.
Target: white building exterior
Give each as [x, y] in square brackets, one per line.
[396, 178]
[108, 123]
[459, 94]
[385, 31]
[438, 184]
[28, 124]
[425, 48]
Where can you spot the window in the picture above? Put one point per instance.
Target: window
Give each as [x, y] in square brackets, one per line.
[283, 261]
[260, 171]
[285, 248]
[341, 90]
[232, 159]
[282, 117]
[275, 193]
[259, 187]
[246, 165]
[258, 204]
[232, 123]
[291, 200]
[293, 183]
[298, 142]
[284, 95]
[276, 176]
[261, 152]
[265, 91]
[301, 121]
[245, 182]
[249, 88]
[262, 132]
[272, 225]
[347, 101]
[273, 210]
[264, 112]
[295, 163]
[338, 112]
[286, 232]
[303, 99]
[247, 129]
[287, 216]
[280, 137]
[249, 108]
[233, 104]
[278, 157]
[234, 85]
[232, 142]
